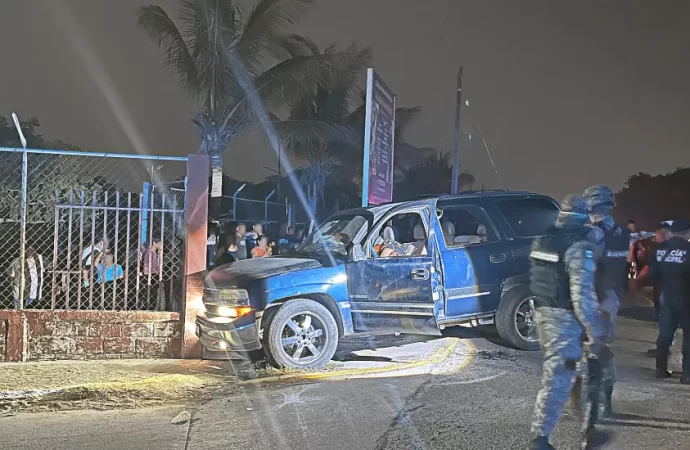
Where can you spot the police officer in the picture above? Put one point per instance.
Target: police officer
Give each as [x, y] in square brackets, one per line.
[613, 243]
[671, 270]
[562, 275]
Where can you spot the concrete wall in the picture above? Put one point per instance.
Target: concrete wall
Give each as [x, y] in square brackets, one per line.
[32, 335]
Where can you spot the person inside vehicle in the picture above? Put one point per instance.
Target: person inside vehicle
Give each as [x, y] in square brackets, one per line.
[388, 246]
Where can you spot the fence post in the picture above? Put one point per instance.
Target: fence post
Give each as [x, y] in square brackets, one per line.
[196, 223]
[234, 201]
[22, 228]
[22, 212]
[266, 206]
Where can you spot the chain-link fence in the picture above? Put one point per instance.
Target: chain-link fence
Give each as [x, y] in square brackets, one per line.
[275, 217]
[81, 230]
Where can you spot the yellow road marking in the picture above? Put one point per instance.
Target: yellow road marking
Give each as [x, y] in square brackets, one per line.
[437, 357]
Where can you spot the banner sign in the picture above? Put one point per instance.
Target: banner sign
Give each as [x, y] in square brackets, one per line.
[217, 176]
[379, 145]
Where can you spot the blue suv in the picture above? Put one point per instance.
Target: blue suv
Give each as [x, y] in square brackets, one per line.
[412, 267]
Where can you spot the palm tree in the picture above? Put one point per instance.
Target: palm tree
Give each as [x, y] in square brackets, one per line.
[433, 176]
[234, 62]
[329, 102]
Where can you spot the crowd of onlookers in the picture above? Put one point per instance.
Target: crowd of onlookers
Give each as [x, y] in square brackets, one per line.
[96, 280]
[237, 243]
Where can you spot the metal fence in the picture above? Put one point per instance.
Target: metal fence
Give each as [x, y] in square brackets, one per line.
[272, 214]
[82, 230]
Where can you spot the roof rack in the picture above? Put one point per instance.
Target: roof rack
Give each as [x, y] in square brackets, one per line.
[479, 192]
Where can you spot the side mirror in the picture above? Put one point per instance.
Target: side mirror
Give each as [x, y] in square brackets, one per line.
[357, 253]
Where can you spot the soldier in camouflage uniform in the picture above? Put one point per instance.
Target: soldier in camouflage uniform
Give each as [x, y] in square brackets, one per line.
[613, 242]
[562, 275]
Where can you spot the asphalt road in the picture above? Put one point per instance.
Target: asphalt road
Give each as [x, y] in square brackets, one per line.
[485, 405]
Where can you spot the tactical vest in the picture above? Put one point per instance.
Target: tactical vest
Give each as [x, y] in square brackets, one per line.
[549, 279]
[612, 267]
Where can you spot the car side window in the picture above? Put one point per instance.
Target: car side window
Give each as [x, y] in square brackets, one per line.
[529, 217]
[402, 235]
[465, 225]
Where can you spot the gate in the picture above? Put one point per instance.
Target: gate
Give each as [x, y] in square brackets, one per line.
[83, 230]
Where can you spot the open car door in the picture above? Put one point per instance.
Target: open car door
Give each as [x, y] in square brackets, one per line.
[399, 292]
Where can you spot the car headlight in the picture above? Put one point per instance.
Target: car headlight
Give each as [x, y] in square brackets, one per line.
[238, 297]
[227, 296]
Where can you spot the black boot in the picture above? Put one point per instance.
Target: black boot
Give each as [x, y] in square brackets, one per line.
[663, 373]
[540, 443]
[607, 410]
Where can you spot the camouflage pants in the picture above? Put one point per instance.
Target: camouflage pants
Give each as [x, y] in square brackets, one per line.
[560, 335]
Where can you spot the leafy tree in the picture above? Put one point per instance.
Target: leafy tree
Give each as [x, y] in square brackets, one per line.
[46, 174]
[433, 176]
[649, 199]
[328, 102]
[234, 62]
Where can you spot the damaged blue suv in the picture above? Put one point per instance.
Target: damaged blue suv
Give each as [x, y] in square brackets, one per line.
[412, 267]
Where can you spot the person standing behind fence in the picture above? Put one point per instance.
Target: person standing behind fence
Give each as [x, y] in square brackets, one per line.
[152, 258]
[107, 273]
[253, 238]
[34, 271]
[241, 235]
[89, 255]
[262, 250]
[227, 253]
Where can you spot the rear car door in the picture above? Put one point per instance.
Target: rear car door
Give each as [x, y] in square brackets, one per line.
[522, 220]
[475, 258]
[397, 293]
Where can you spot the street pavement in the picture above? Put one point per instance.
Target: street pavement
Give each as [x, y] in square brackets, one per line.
[480, 397]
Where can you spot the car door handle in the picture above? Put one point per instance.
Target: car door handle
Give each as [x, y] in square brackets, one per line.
[419, 274]
[498, 258]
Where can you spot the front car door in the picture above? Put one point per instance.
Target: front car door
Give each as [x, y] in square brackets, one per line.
[475, 258]
[397, 293]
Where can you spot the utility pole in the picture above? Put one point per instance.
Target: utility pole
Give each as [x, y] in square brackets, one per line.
[280, 168]
[456, 150]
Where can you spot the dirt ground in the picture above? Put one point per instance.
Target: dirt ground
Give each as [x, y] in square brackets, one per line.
[47, 386]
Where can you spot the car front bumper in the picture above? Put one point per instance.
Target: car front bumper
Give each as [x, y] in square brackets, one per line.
[219, 335]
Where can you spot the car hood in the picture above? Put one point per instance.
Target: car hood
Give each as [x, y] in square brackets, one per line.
[241, 272]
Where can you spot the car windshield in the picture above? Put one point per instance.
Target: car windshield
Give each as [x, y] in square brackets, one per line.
[335, 234]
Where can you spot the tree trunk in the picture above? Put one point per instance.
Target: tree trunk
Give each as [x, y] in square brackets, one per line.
[311, 195]
[214, 141]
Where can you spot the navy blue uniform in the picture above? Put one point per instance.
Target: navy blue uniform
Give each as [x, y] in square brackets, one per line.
[671, 271]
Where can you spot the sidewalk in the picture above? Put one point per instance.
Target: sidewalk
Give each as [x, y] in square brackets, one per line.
[48, 386]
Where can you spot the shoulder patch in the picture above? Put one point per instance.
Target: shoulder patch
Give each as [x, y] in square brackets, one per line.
[545, 256]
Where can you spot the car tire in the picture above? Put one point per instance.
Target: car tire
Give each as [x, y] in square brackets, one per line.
[281, 329]
[506, 317]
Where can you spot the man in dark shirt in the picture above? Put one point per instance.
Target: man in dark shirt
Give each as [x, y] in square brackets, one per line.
[671, 271]
[241, 242]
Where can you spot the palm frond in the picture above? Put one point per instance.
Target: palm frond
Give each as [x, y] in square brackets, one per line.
[156, 22]
[404, 116]
[292, 132]
[264, 28]
[298, 46]
[291, 80]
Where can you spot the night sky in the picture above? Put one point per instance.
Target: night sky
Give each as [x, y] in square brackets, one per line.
[567, 94]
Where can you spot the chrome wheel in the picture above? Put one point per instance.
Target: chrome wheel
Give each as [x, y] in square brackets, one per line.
[524, 320]
[303, 338]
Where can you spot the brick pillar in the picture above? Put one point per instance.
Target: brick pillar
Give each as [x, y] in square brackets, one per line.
[196, 222]
[14, 336]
